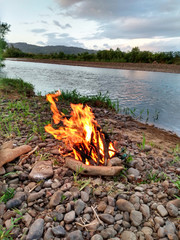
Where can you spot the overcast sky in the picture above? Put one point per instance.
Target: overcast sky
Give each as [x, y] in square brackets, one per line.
[95, 24]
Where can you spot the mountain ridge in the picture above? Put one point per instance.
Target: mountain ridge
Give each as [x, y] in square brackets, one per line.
[30, 48]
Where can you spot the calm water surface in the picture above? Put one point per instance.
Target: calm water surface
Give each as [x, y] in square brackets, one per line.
[157, 92]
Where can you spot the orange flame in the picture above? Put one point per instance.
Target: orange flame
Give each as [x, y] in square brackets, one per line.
[81, 132]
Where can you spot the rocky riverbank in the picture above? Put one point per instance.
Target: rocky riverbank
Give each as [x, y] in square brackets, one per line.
[153, 67]
[52, 202]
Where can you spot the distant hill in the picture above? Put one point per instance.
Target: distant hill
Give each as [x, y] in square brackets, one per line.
[29, 48]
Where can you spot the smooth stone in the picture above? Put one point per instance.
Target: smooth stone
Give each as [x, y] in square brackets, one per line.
[175, 202]
[172, 209]
[2, 209]
[108, 233]
[84, 196]
[79, 206]
[2, 171]
[69, 217]
[147, 230]
[36, 230]
[76, 235]
[162, 211]
[97, 237]
[59, 231]
[27, 219]
[133, 171]
[41, 170]
[57, 216]
[93, 226]
[169, 228]
[66, 187]
[145, 211]
[55, 199]
[48, 234]
[101, 206]
[124, 205]
[107, 218]
[136, 218]
[161, 232]
[128, 235]
[111, 201]
[13, 203]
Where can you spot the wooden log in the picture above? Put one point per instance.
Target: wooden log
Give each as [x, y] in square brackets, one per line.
[92, 170]
[8, 155]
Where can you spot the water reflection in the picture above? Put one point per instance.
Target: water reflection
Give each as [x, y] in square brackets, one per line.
[154, 91]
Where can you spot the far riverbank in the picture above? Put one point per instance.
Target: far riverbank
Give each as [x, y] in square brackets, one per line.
[153, 67]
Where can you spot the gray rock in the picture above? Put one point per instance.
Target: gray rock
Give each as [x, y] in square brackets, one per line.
[93, 226]
[97, 237]
[128, 235]
[66, 187]
[55, 199]
[162, 211]
[35, 195]
[41, 170]
[59, 231]
[76, 235]
[124, 205]
[133, 171]
[79, 206]
[2, 171]
[172, 209]
[13, 203]
[136, 218]
[145, 211]
[107, 218]
[175, 202]
[111, 201]
[48, 234]
[2, 209]
[84, 196]
[159, 220]
[57, 216]
[169, 228]
[108, 233]
[36, 230]
[69, 217]
[161, 232]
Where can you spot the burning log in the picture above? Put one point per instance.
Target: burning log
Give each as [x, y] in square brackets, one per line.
[92, 170]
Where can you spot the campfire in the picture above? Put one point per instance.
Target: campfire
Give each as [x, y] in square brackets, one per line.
[82, 134]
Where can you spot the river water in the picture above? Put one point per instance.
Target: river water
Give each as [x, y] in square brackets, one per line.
[141, 91]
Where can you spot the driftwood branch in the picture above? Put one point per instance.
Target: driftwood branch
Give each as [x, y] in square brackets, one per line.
[92, 170]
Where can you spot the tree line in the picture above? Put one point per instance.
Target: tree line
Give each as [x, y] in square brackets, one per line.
[133, 56]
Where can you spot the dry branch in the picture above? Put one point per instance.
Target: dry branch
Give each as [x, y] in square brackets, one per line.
[92, 170]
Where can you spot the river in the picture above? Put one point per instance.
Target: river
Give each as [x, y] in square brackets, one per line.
[141, 91]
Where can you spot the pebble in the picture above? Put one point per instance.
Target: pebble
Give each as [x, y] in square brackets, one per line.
[172, 209]
[128, 235]
[162, 211]
[107, 218]
[79, 206]
[69, 217]
[36, 230]
[55, 199]
[124, 205]
[108, 233]
[97, 237]
[59, 231]
[75, 235]
[41, 170]
[136, 217]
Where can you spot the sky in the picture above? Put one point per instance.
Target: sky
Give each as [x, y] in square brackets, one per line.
[152, 25]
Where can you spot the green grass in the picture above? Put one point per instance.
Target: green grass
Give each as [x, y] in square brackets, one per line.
[9, 85]
[9, 193]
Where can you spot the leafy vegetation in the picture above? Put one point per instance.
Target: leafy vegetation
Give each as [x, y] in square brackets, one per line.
[4, 29]
[9, 193]
[9, 85]
[133, 56]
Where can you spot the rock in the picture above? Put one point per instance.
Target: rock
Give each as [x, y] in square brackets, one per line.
[136, 217]
[97, 237]
[93, 226]
[128, 235]
[108, 233]
[41, 170]
[59, 231]
[133, 171]
[175, 202]
[48, 234]
[115, 161]
[84, 196]
[145, 211]
[79, 206]
[147, 230]
[13, 203]
[55, 199]
[172, 209]
[162, 211]
[107, 218]
[76, 235]
[66, 187]
[109, 210]
[35, 195]
[169, 228]
[161, 232]
[36, 230]
[2, 171]
[124, 205]
[69, 217]
[159, 220]
[2, 209]
[27, 219]
[57, 216]
[101, 206]
[111, 201]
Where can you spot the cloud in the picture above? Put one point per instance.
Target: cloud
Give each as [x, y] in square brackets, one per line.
[38, 30]
[61, 26]
[127, 19]
[54, 38]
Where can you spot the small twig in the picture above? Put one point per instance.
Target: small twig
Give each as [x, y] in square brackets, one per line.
[97, 216]
[27, 155]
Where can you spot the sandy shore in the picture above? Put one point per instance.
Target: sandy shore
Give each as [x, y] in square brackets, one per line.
[154, 67]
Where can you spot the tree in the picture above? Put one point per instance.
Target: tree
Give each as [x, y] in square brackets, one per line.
[4, 29]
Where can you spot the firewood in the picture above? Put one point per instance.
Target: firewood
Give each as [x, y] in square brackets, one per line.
[8, 155]
[92, 170]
